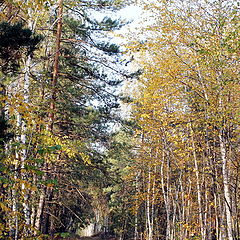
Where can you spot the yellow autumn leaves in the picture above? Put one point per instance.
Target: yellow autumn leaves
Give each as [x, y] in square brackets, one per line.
[187, 108]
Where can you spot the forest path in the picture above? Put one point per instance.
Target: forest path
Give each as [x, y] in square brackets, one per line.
[75, 237]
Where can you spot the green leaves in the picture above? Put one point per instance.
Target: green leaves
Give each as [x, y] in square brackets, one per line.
[51, 149]
[108, 48]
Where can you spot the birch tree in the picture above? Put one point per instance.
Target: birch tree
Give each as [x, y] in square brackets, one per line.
[187, 107]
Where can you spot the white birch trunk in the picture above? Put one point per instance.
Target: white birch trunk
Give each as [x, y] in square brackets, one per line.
[225, 174]
[26, 84]
[183, 209]
[153, 199]
[14, 227]
[23, 137]
[166, 196]
[39, 211]
[227, 195]
[149, 225]
[136, 210]
[14, 222]
[202, 229]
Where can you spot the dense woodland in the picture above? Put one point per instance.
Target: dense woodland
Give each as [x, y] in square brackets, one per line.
[72, 164]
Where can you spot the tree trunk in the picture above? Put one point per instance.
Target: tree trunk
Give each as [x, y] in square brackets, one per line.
[226, 186]
[136, 234]
[25, 191]
[149, 225]
[40, 206]
[153, 199]
[202, 229]
[56, 66]
[51, 113]
[166, 196]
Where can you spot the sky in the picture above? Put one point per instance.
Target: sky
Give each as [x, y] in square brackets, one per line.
[131, 12]
[133, 15]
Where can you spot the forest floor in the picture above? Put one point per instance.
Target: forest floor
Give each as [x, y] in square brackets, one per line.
[75, 237]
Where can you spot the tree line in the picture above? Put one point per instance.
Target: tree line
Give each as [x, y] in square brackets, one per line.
[187, 107]
[59, 75]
